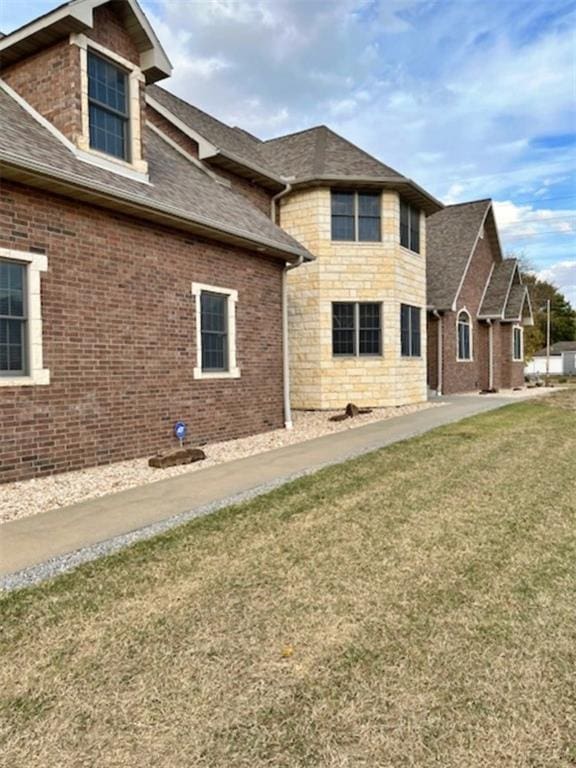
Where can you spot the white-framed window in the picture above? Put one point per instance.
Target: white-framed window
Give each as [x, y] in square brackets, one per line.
[215, 332]
[464, 336]
[518, 343]
[356, 328]
[111, 108]
[21, 360]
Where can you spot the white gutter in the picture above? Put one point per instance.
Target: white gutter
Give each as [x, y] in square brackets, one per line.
[288, 423]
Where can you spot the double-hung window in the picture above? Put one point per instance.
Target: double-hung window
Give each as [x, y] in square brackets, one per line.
[356, 328]
[410, 331]
[13, 352]
[464, 329]
[356, 216]
[215, 332]
[409, 226]
[517, 344]
[108, 107]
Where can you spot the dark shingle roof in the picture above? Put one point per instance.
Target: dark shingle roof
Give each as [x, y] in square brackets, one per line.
[498, 288]
[177, 187]
[450, 237]
[319, 152]
[515, 303]
[557, 348]
[234, 140]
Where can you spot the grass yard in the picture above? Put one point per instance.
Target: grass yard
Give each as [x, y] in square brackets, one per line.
[414, 607]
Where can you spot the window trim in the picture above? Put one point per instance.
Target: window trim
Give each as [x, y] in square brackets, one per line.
[137, 164]
[356, 329]
[356, 216]
[521, 332]
[459, 359]
[233, 371]
[35, 373]
[126, 117]
[410, 355]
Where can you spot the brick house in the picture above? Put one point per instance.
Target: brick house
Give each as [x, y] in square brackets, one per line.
[477, 304]
[357, 312]
[140, 282]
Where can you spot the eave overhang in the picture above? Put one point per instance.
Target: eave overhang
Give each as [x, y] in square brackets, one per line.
[78, 16]
[67, 185]
[409, 190]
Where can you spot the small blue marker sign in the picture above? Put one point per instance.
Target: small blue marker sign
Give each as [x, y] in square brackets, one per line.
[180, 430]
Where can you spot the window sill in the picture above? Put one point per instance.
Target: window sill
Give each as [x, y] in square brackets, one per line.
[38, 378]
[357, 242]
[234, 373]
[411, 357]
[464, 359]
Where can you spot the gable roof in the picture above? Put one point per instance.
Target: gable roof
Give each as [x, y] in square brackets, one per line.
[77, 16]
[451, 236]
[181, 194]
[498, 289]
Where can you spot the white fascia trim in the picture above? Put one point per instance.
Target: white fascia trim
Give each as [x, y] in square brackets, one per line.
[38, 375]
[92, 158]
[486, 288]
[233, 371]
[205, 148]
[503, 316]
[191, 159]
[83, 13]
[458, 358]
[466, 268]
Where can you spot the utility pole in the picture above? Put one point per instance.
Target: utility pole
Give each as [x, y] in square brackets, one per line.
[548, 342]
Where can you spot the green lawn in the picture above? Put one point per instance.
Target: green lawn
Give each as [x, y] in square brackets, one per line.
[412, 608]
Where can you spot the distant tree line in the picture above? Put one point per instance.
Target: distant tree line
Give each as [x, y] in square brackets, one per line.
[562, 315]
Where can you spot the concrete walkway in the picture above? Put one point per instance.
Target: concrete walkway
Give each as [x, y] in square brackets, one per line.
[41, 545]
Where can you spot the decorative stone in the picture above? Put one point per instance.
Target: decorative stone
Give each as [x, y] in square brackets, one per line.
[175, 457]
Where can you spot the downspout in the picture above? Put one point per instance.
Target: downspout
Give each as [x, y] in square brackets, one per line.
[285, 340]
[490, 355]
[439, 362]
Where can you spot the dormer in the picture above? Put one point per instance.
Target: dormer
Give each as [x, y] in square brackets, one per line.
[83, 68]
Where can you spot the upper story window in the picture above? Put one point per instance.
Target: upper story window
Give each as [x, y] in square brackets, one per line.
[464, 330]
[356, 216]
[356, 328]
[517, 344]
[409, 226]
[12, 319]
[410, 331]
[108, 107]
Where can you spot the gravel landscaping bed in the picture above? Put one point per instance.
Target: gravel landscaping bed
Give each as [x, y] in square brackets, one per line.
[31, 497]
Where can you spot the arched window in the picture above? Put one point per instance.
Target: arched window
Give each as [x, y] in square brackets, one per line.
[464, 336]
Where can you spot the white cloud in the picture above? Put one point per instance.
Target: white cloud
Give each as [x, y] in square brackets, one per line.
[525, 221]
[563, 276]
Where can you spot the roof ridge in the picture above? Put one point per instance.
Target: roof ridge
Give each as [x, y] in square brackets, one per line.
[468, 202]
[296, 133]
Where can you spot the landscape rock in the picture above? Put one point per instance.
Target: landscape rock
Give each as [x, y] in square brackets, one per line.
[175, 457]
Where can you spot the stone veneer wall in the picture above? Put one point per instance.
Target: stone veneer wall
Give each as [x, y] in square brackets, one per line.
[383, 272]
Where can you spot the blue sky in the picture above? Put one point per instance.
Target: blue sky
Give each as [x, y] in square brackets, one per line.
[470, 99]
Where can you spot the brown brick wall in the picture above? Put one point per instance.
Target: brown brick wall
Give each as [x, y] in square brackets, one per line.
[432, 352]
[50, 82]
[172, 132]
[473, 375]
[119, 339]
[110, 32]
[257, 195]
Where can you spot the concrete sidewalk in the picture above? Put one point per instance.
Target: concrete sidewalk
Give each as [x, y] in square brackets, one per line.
[101, 525]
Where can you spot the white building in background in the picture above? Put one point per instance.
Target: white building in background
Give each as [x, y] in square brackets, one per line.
[562, 360]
